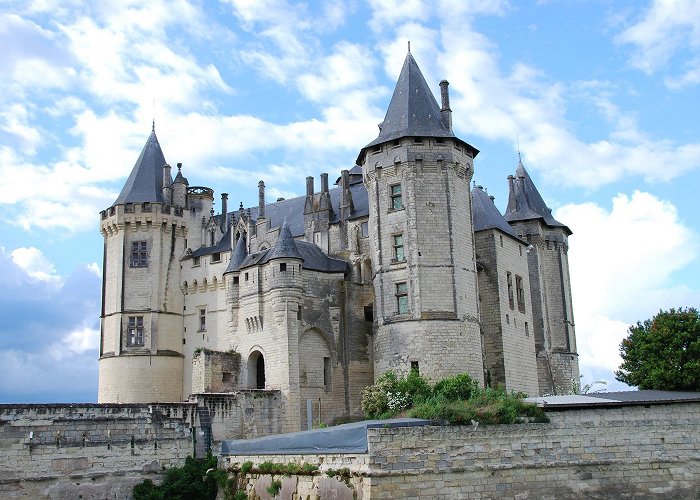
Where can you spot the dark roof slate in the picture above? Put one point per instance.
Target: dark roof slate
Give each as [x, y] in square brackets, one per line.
[145, 183]
[238, 257]
[486, 215]
[285, 246]
[413, 110]
[526, 203]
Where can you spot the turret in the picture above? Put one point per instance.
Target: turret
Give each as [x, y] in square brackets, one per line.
[550, 283]
[180, 186]
[417, 174]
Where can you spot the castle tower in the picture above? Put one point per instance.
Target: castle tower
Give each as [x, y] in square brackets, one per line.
[550, 284]
[141, 321]
[417, 173]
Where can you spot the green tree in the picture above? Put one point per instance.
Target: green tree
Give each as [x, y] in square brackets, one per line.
[663, 352]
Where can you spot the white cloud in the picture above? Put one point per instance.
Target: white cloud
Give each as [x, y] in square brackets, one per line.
[665, 30]
[33, 262]
[95, 269]
[622, 262]
[75, 342]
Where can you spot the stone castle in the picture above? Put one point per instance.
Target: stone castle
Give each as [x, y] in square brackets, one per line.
[400, 266]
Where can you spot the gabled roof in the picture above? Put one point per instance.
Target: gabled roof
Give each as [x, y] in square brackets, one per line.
[145, 183]
[413, 111]
[486, 215]
[526, 203]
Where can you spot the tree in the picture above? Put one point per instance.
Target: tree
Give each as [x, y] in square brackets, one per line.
[663, 352]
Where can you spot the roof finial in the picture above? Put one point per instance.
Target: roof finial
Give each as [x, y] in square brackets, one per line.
[153, 127]
[409, 46]
[517, 138]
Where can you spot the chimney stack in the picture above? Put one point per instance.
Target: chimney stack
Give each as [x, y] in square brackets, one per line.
[261, 200]
[445, 111]
[324, 183]
[224, 212]
[309, 186]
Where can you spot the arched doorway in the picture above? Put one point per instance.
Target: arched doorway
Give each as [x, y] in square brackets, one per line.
[256, 370]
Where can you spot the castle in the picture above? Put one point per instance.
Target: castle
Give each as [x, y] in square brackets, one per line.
[400, 266]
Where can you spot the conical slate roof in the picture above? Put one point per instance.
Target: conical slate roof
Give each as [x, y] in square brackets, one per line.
[526, 203]
[145, 183]
[285, 247]
[486, 215]
[239, 255]
[413, 110]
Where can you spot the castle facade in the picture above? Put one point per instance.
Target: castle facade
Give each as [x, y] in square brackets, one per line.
[401, 265]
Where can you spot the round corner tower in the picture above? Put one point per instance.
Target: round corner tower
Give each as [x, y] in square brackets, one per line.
[417, 173]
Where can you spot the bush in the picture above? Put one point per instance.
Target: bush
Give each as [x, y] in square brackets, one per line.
[458, 388]
[190, 481]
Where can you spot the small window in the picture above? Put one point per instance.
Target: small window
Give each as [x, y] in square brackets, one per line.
[369, 313]
[129, 208]
[396, 197]
[418, 140]
[501, 236]
[202, 320]
[399, 255]
[139, 254]
[135, 331]
[520, 247]
[415, 367]
[511, 301]
[364, 229]
[235, 280]
[376, 149]
[146, 207]
[327, 373]
[299, 312]
[195, 261]
[396, 143]
[216, 257]
[283, 266]
[520, 293]
[507, 319]
[246, 276]
[527, 330]
[402, 298]
[317, 238]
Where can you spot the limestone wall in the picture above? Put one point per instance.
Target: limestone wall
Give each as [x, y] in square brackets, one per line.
[626, 452]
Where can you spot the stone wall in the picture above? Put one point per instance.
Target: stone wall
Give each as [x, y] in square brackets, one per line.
[102, 450]
[625, 452]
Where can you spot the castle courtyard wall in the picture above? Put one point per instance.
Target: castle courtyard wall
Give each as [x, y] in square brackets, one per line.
[623, 452]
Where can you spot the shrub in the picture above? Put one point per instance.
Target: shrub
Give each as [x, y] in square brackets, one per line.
[458, 388]
[274, 488]
[190, 481]
[375, 398]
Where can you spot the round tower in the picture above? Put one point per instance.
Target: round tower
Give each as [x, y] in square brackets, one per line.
[141, 320]
[417, 174]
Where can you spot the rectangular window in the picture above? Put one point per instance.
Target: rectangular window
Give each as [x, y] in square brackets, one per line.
[246, 276]
[202, 320]
[364, 228]
[415, 367]
[283, 266]
[396, 198]
[129, 208]
[235, 280]
[402, 298]
[135, 331]
[521, 293]
[216, 257]
[511, 301]
[398, 248]
[146, 207]
[369, 313]
[195, 261]
[139, 254]
[317, 238]
[527, 330]
[327, 373]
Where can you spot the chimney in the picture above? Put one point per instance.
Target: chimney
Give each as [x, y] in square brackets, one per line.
[510, 184]
[224, 212]
[324, 183]
[261, 200]
[445, 111]
[167, 185]
[309, 186]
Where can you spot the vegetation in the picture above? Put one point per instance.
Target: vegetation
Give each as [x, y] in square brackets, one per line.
[196, 480]
[274, 488]
[458, 399]
[663, 352]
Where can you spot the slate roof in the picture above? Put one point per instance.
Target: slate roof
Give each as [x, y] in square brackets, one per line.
[314, 259]
[224, 245]
[413, 111]
[486, 215]
[239, 255]
[145, 183]
[526, 203]
[620, 398]
[285, 246]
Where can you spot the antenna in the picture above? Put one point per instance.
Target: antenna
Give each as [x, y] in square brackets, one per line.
[517, 138]
[153, 114]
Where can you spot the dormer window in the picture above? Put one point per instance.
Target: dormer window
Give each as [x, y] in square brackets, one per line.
[129, 208]
[216, 257]
[146, 207]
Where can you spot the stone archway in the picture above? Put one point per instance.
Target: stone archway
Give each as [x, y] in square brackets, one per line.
[256, 370]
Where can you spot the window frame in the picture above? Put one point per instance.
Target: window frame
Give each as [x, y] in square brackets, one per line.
[520, 293]
[396, 197]
[139, 254]
[398, 253]
[402, 305]
[135, 333]
[202, 316]
[511, 298]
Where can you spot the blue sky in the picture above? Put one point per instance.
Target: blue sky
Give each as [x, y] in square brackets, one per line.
[602, 95]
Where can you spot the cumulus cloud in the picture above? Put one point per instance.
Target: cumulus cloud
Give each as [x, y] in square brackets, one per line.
[33, 262]
[622, 261]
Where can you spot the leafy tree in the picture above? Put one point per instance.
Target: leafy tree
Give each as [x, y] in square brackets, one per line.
[663, 352]
[197, 479]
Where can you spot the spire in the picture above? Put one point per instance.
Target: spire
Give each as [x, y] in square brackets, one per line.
[413, 110]
[285, 247]
[145, 183]
[239, 255]
[525, 201]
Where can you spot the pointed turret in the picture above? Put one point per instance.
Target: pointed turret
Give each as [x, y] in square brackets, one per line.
[413, 111]
[285, 247]
[239, 255]
[486, 215]
[145, 183]
[526, 203]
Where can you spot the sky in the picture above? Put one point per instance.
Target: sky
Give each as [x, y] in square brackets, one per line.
[600, 97]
